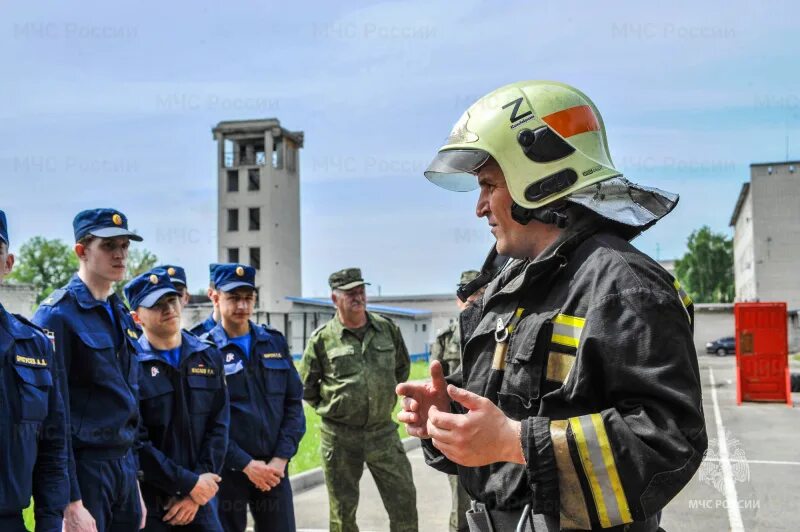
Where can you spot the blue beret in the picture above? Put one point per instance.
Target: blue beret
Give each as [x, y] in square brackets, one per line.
[229, 277]
[176, 274]
[3, 228]
[103, 223]
[146, 289]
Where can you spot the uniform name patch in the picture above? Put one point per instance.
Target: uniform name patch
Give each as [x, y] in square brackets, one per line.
[202, 371]
[31, 361]
[272, 355]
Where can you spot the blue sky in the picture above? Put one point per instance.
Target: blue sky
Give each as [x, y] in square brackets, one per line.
[111, 104]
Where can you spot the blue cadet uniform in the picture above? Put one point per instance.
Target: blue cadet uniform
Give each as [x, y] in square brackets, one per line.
[184, 413]
[267, 417]
[95, 343]
[209, 323]
[33, 444]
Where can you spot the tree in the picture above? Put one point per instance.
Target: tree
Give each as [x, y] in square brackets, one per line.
[46, 264]
[706, 270]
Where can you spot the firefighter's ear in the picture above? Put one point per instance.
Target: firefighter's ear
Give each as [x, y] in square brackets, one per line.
[136, 318]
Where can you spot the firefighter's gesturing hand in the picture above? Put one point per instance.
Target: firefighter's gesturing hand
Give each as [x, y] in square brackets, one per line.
[419, 398]
[484, 435]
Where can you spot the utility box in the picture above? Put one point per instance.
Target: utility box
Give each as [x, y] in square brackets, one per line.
[762, 353]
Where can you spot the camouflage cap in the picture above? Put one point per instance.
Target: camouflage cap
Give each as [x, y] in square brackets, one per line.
[468, 276]
[346, 279]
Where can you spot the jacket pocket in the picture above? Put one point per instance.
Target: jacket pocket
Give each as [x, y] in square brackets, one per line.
[155, 396]
[520, 391]
[384, 354]
[343, 361]
[202, 392]
[34, 389]
[276, 373]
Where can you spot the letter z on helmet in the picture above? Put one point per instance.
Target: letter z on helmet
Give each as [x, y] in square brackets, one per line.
[547, 137]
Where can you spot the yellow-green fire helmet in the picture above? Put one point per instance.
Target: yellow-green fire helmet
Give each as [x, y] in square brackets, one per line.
[547, 137]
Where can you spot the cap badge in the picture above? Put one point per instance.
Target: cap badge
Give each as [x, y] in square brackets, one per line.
[171, 271]
[154, 278]
[117, 219]
[240, 271]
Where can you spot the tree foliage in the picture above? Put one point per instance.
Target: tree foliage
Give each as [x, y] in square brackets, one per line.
[46, 264]
[706, 270]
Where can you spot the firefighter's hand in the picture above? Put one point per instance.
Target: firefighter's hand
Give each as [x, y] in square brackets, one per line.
[419, 398]
[181, 512]
[205, 489]
[484, 435]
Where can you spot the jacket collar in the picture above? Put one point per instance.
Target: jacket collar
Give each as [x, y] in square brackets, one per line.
[84, 296]
[220, 337]
[189, 346]
[338, 328]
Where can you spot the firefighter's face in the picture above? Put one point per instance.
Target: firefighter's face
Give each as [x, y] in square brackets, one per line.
[494, 203]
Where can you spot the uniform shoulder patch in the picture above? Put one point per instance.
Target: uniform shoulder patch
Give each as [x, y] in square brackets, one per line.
[25, 321]
[271, 329]
[54, 297]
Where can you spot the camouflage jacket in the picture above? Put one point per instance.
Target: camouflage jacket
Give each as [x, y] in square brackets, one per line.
[447, 349]
[352, 382]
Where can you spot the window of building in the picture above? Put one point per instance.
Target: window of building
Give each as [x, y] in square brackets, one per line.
[233, 220]
[277, 153]
[255, 258]
[253, 179]
[233, 181]
[254, 217]
[416, 327]
[233, 254]
[424, 327]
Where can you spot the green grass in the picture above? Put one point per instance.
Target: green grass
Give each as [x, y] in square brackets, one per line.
[796, 357]
[308, 454]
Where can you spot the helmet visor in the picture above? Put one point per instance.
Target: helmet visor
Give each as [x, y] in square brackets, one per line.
[456, 169]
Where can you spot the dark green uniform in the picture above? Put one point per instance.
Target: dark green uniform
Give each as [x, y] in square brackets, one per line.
[350, 382]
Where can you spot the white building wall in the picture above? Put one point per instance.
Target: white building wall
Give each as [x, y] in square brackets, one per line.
[776, 232]
[18, 298]
[744, 264]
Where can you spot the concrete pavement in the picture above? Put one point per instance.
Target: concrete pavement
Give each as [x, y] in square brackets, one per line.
[749, 481]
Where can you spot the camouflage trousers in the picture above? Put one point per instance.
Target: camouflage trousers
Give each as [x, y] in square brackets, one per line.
[344, 452]
[461, 500]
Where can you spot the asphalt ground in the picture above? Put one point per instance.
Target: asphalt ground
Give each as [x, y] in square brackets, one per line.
[749, 481]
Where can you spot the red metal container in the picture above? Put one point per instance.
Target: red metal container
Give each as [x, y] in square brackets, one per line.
[762, 353]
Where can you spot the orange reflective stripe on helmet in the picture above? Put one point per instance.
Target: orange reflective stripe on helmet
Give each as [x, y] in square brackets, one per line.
[572, 121]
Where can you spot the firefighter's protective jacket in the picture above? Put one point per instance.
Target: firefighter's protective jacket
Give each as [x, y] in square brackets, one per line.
[590, 347]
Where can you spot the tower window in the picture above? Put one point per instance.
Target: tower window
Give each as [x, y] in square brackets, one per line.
[233, 181]
[255, 258]
[233, 254]
[233, 219]
[253, 179]
[254, 216]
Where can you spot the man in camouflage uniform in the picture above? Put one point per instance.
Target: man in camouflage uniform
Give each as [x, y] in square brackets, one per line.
[350, 368]
[447, 350]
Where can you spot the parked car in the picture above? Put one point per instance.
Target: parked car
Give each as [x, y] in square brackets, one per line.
[722, 347]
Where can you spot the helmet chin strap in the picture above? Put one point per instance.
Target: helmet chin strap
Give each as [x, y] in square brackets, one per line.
[551, 214]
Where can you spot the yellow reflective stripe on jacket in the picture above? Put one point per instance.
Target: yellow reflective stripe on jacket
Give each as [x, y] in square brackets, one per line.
[600, 468]
[574, 512]
[567, 330]
[685, 298]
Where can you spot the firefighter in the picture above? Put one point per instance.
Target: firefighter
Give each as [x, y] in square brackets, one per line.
[578, 403]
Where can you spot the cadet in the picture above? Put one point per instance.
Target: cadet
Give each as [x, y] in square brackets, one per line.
[33, 444]
[349, 370]
[184, 410]
[578, 371]
[267, 419]
[211, 321]
[95, 342]
[177, 276]
[447, 350]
